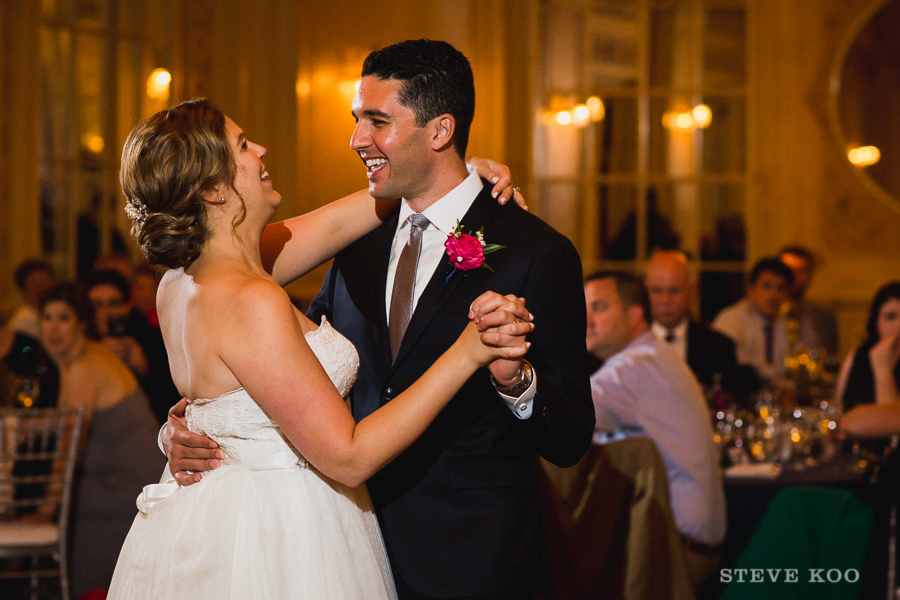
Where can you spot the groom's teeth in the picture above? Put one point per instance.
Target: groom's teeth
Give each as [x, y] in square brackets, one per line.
[374, 162]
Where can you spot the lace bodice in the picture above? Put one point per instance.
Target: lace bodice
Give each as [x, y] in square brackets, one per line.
[241, 428]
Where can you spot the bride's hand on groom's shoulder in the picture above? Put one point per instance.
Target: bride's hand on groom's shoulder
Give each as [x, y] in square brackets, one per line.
[500, 175]
[189, 454]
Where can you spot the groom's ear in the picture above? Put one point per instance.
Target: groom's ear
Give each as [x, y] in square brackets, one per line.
[443, 130]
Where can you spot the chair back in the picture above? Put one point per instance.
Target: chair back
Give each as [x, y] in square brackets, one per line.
[38, 452]
[609, 525]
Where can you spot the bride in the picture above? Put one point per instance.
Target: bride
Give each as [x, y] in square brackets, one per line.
[287, 514]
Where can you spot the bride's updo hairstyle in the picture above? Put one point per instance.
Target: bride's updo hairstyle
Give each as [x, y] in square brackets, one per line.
[168, 161]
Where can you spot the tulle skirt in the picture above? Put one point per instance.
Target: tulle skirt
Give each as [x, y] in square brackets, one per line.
[286, 532]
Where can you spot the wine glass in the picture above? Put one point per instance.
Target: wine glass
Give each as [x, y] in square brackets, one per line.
[28, 389]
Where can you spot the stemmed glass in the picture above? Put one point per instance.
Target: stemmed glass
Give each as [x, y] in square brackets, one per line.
[27, 391]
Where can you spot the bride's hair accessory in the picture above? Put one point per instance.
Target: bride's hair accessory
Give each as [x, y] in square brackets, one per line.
[136, 210]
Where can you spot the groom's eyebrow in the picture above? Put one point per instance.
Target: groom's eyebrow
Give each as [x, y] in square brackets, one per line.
[373, 113]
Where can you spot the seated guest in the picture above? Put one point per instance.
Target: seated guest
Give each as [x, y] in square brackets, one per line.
[144, 283]
[870, 374]
[756, 323]
[644, 388]
[710, 354]
[22, 359]
[817, 324]
[119, 454]
[127, 334]
[32, 277]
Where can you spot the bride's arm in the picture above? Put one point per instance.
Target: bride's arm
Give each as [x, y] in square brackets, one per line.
[267, 352]
[296, 246]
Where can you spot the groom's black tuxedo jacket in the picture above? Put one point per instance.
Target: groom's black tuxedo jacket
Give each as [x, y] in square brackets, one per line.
[460, 509]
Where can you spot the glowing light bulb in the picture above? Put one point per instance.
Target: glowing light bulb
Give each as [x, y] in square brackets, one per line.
[595, 105]
[684, 120]
[93, 142]
[702, 116]
[864, 156]
[581, 112]
[158, 84]
[564, 117]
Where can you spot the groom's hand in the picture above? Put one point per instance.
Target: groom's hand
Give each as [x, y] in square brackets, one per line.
[187, 452]
[493, 311]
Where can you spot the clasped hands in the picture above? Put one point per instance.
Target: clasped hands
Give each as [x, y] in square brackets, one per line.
[502, 321]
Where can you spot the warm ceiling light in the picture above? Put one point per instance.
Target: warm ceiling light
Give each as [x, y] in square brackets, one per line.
[863, 156]
[581, 113]
[158, 84]
[564, 117]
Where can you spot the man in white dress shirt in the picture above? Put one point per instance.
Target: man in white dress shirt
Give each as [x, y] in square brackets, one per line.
[645, 388]
[757, 324]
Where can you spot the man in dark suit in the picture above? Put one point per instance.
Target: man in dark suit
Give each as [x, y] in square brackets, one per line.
[710, 354]
[460, 509]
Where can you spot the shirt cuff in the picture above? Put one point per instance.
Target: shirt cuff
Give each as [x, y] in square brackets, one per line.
[159, 440]
[521, 406]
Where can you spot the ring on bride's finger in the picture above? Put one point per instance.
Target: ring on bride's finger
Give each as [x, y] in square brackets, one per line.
[517, 189]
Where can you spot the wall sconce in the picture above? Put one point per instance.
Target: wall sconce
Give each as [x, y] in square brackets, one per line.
[579, 115]
[698, 117]
[864, 156]
[158, 84]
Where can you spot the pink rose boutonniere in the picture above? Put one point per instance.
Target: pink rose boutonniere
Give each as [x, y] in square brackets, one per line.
[466, 252]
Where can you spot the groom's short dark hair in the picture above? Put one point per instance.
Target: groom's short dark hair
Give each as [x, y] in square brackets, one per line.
[437, 79]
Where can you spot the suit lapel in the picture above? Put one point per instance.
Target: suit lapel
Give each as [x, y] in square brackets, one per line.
[366, 277]
[444, 280]
[690, 341]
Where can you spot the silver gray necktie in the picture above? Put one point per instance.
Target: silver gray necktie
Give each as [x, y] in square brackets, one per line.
[405, 282]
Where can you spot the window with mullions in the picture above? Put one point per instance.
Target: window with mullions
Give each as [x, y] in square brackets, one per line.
[96, 60]
[641, 137]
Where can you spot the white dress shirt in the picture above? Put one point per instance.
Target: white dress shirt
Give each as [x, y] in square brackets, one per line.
[647, 390]
[744, 324]
[678, 333]
[442, 217]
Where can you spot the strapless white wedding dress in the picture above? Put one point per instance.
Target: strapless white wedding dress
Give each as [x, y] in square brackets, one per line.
[265, 524]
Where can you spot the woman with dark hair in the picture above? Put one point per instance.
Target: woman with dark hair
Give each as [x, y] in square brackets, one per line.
[871, 373]
[119, 452]
[287, 514]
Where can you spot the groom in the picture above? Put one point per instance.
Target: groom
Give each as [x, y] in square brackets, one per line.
[460, 509]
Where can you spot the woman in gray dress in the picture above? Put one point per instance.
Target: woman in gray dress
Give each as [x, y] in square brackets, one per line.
[119, 455]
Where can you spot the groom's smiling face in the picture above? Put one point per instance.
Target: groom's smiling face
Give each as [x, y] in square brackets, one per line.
[394, 150]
